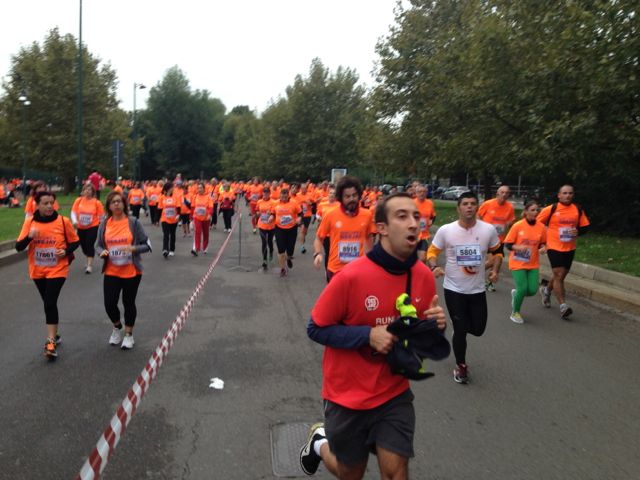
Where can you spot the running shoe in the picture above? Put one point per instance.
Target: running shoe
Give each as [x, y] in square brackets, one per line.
[205, 251]
[165, 253]
[565, 311]
[546, 297]
[58, 339]
[194, 253]
[171, 254]
[50, 350]
[116, 336]
[461, 373]
[513, 299]
[255, 231]
[516, 318]
[283, 272]
[264, 266]
[127, 342]
[303, 249]
[88, 270]
[489, 286]
[289, 263]
[309, 459]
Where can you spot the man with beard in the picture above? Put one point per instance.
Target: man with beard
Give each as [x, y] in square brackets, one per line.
[466, 243]
[349, 229]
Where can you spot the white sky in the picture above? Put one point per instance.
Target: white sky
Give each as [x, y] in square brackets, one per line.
[244, 52]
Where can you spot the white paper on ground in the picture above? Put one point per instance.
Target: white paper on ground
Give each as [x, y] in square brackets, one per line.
[217, 383]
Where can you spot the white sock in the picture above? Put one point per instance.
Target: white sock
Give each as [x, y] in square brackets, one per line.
[318, 443]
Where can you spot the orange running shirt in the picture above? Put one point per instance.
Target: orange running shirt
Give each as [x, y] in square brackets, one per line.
[497, 215]
[255, 193]
[153, 195]
[533, 236]
[264, 209]
[170, 209]
[346, 234]
[427, 214]
[286, 214]
[135, 196]
[88, 211]
[116, 236]
[559, 226]
[325, 207]
[43, 262]
[304, 200]
[202, 206]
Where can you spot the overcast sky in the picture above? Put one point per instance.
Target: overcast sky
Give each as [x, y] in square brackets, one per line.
[244, 52]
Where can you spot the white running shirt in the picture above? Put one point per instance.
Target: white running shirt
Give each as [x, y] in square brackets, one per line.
[466, 251]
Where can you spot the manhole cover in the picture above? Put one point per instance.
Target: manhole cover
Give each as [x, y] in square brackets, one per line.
[286, 440]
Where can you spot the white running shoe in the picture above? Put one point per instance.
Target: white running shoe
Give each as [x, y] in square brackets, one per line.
[116, 336]
[171, 254]
[127, 342]
[88, 270]
[516, 318]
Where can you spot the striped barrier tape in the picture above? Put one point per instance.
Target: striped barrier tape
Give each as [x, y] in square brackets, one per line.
[97, 460]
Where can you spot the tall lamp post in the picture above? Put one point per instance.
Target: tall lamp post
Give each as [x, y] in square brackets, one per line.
[80, 171]
[137, 172]
[25, 103]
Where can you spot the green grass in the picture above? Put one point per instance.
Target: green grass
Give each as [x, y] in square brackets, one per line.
[620, 254]
[11, 219]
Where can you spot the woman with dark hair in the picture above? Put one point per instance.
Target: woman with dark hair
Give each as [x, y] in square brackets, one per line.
[527, 241]
[121, 241]
[227, 200]
[51, 240]
[31, 204]
[170, 206]
[86, 214]
[135, 199]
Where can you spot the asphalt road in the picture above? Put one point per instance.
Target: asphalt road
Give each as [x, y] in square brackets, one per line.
[549, 399]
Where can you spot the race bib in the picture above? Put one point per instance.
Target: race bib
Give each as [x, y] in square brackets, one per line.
[499, 228]
[522, 255]
[468, 255]
[255, 197]
[423, 224]
[169, 212]
[348, 251]
[85, 219]
[200, 211]
[264, 217]
[135, 199]
[154, 198]
[286, 220]
[46, 257]
[566, 235]
[119, 257]
[304, 208]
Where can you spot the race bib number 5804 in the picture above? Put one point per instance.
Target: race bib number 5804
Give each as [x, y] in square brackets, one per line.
[468, 255]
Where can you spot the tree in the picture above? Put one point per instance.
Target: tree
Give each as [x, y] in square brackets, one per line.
[182, 128]
[47, 74]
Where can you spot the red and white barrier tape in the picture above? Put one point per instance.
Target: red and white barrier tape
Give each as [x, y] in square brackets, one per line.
[97, 460]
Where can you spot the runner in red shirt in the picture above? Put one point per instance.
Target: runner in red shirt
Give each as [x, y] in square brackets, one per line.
[367, 407]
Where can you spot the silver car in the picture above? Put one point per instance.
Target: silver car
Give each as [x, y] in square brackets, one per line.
[452, 193]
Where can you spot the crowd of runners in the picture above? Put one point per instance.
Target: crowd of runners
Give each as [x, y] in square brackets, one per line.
[381, 246]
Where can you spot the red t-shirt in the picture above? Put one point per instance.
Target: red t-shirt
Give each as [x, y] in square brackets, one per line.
[363, 293]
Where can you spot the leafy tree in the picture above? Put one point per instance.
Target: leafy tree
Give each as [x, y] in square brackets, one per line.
[47, 74]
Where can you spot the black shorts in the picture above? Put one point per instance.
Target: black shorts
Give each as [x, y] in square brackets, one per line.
[286, 240]
[423, 245]
[306, 221]
[184, 218]
[561, 259]
[353, 434]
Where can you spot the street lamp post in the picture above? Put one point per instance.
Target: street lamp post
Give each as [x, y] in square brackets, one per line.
[25, 103]
[80, 171]
[137, 172]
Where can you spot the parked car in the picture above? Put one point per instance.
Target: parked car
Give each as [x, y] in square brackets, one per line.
[437, 193]
[452, 193]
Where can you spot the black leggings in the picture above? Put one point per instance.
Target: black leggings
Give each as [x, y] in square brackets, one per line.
[88, 240]
[286, 240]
[169, 236]
[129, 287]
[468, 314]
[49, 289]
[267, 241]
[135, 210]
[227, 213]
[214, 217]
[153, 213]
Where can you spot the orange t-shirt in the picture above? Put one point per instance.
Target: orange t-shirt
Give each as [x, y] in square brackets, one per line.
[202, 206]
[275, 193]
[30, 206]
[153, 195]
[304, 200]
[119, 262]
[264, 210]
[286, 214]
[497, 215]
[88, 212]
[135, 196]
[43, 262]
[117, 188]
[563, 220]
[534, 236]
[427, 214]
[325, 207]
[255, 193]
[170, 208]
[347, 235]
